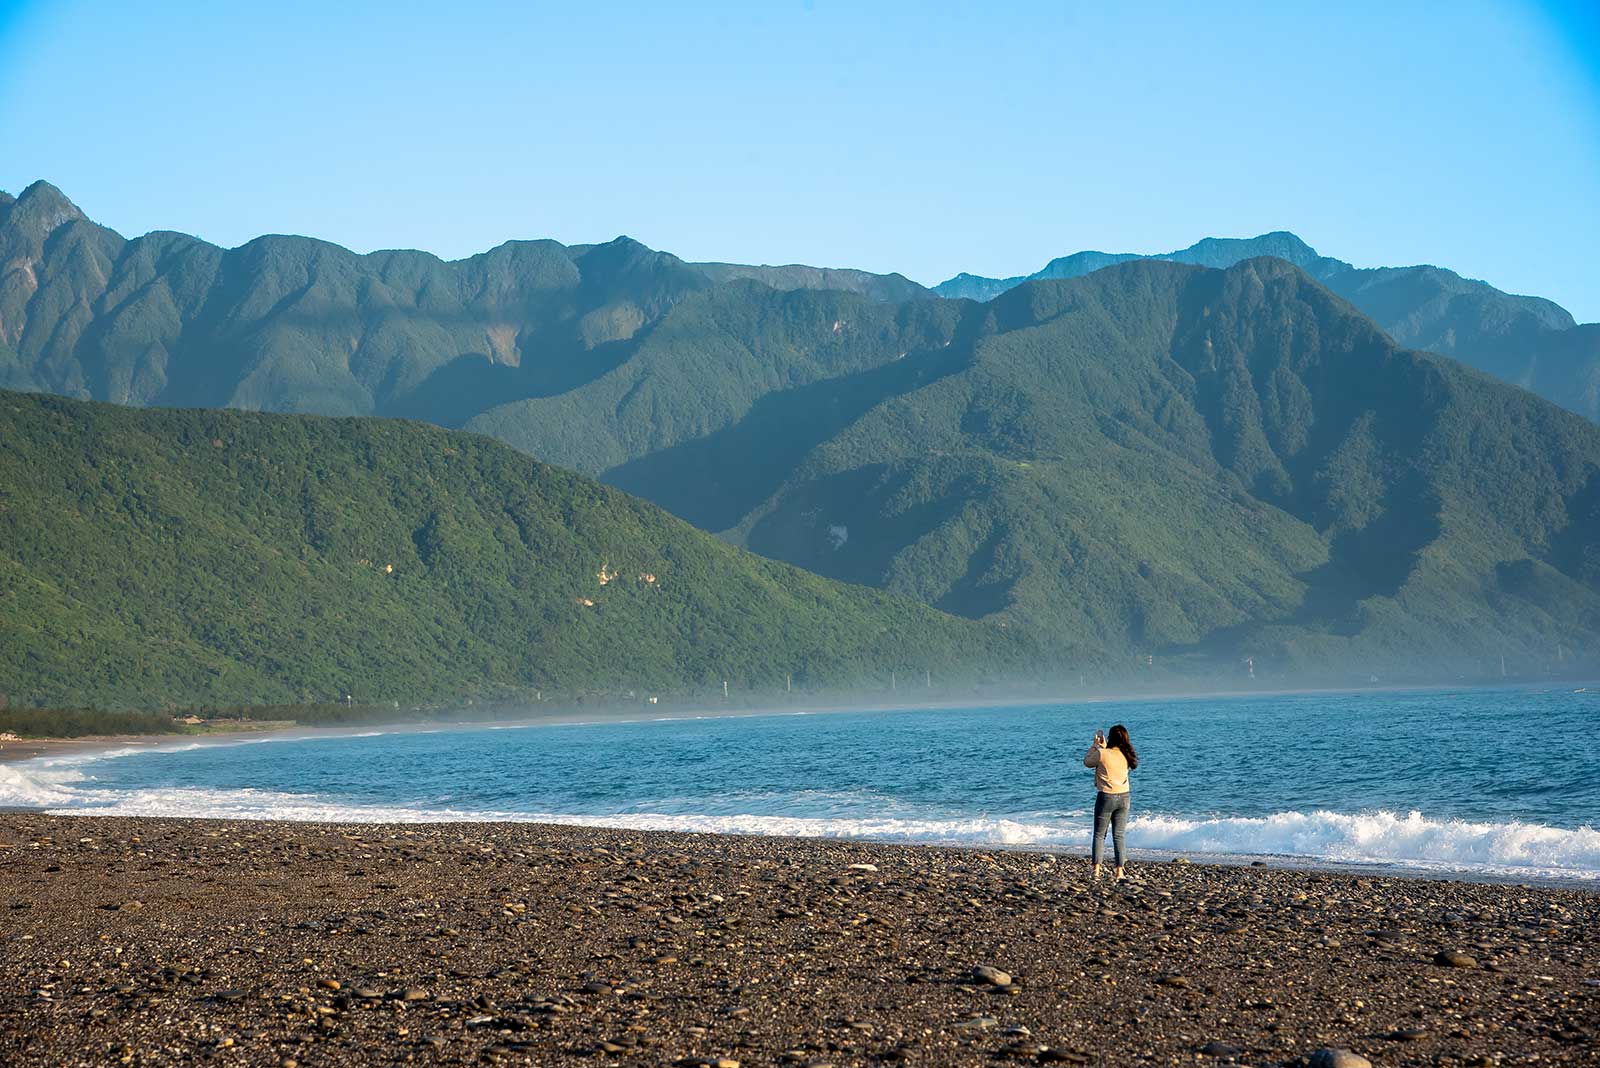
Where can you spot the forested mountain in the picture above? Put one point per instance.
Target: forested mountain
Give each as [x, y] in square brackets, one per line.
[1529, 341]
[298, 325]
[183, 556]
[1154, 457]
[1205, 461]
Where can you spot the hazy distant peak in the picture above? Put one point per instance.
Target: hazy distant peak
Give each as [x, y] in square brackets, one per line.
[1278, 241]
[41, 209]
[893, 287]
[623, 252]
[42, 196]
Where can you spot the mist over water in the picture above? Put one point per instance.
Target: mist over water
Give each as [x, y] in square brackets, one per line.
[1502, 782]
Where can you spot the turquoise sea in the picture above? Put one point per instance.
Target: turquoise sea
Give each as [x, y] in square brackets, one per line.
[1501, 782]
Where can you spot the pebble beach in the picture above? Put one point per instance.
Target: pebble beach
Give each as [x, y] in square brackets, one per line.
[163, 942]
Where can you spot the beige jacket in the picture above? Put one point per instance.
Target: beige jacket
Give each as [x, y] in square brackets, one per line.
[1110, 769]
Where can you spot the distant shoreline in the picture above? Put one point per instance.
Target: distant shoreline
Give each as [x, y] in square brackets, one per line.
[568, 715]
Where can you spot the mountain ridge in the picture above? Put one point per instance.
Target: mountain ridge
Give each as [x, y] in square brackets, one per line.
[1528, 341]
[1525, 340]
[936, 471]
[1160, 459]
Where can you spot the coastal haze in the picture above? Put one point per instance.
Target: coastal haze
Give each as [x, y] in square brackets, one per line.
[538, 536]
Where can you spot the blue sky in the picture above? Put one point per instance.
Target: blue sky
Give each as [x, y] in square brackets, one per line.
[923, 138]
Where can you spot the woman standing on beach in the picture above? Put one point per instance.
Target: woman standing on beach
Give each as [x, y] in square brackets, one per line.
[1111, 761]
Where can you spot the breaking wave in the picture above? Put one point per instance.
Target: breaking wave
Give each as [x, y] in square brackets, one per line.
[1412, 840]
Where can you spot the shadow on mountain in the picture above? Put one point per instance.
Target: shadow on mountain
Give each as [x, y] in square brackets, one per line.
[971, 596]
[715, 481]
[1573, 550]
[812, 522]
[1374, 562]
[454, 393]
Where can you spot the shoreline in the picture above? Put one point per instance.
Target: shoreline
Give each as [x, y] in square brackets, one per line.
[175, 940]
[29, 748]
[90, 748]
[1278, 862]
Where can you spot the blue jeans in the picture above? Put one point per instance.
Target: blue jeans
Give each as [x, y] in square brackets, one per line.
[1110, 809]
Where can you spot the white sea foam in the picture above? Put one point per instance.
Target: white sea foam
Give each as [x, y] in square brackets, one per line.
[1523, 850]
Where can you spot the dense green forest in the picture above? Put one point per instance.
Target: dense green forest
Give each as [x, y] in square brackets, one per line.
[298, 325]
[1202, 465]
[1154, 459]
[174, 557]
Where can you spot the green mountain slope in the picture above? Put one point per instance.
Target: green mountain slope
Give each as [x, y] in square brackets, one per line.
[1528, 341]
[1212, 460]
[298, 325]
[197, 555]
[1164, 459]
[293, 324]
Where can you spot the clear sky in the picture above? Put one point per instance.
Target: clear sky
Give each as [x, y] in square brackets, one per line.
[923, 138]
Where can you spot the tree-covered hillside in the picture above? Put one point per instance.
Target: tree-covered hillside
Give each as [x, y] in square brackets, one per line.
[298, 325]
[1153, 459]
[159, 556]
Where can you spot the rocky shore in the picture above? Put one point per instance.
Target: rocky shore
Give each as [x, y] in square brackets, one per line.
[163, 942]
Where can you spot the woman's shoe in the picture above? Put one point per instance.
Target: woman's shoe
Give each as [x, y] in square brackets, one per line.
[1096, 875]
[1119, 873]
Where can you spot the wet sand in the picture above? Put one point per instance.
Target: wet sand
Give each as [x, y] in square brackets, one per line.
[20, 749]
[29, 748]
[156, 942]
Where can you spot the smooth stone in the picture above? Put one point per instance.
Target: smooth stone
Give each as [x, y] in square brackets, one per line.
[1449, 959]
[1338, 1058]
[1410, 1034]
[1220, 1049]
[414, 995]
[993, 976]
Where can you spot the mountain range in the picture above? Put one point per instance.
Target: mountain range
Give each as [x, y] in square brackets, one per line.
[1192, 463]
[153, 557]
[1529, 341]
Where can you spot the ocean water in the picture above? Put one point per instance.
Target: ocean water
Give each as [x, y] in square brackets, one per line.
[1502, 782]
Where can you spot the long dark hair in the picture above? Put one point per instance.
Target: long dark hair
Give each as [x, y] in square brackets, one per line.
[1118, 739]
